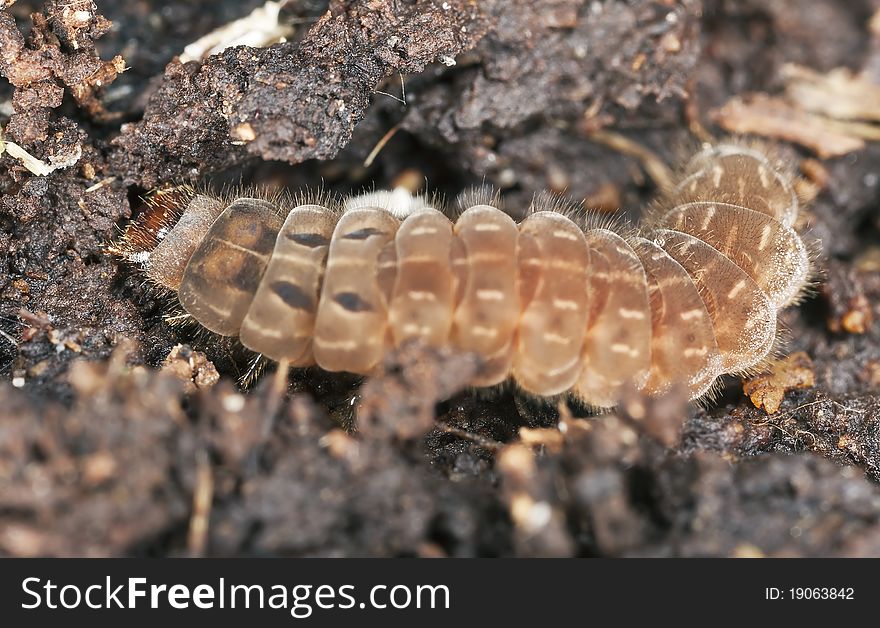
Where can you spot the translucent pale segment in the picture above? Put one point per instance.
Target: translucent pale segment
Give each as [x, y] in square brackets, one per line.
[167, 262]
[551, 331]
[486, 318]
[352, 321]
[281, 320]
[769, 252]
[743, 319]
[617, 347]
[423, 295]
[739, 176]
[683, 348]
[224, 272]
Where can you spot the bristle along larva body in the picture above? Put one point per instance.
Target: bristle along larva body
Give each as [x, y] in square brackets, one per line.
[557, 307]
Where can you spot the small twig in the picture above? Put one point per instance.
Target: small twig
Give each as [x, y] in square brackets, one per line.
[482, 441]
[100, 184]
[274, 398]
[9, 338]
[380, 145]
[692, 116]
[203, 496]
[651, 162]
[398, 99]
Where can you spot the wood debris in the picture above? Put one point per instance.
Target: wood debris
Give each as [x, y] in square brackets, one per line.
[832, 114]
[768, 389]
[768, 116]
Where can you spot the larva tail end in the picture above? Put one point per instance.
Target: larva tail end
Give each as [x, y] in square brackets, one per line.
[162, 209]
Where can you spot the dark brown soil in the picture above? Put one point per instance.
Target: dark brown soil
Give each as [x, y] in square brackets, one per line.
[103, 452]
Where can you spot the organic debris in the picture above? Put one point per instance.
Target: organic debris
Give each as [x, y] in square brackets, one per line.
[768, 389]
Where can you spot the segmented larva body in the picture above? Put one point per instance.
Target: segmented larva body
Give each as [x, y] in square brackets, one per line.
[555, 306]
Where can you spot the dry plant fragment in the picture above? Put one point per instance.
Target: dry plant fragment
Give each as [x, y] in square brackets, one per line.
[768, 390]
[654, 166]
[832, 114]
[34, 165]
[38, 166]
[858, 318]
[260, 28]
[839, 94]
[851, 310]
[760, 114]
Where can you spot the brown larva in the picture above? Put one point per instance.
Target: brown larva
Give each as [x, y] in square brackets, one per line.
[557, 307]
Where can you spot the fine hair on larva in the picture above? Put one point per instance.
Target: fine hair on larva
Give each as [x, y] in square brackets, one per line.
[559, 303]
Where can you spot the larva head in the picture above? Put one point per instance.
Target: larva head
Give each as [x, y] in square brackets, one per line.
[730, 173]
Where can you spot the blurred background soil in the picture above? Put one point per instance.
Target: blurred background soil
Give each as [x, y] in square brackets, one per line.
[115, 441]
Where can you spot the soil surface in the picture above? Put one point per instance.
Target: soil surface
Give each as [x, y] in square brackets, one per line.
[114, 441]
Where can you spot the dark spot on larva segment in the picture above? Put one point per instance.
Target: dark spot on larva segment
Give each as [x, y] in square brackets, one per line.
[311, 240]
[352, 302]
[363, 234]
[246, 273]
[292, 295]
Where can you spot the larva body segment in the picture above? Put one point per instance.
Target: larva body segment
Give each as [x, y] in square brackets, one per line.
[684, 351]
[486, 318]
[280, 322]
[728, 173]
[617, 347]
[747, 237]
[553, 322]
[553, 305]
[743, 320]
[352, 315]
[424, 296]
[225, 270]
[169, 259]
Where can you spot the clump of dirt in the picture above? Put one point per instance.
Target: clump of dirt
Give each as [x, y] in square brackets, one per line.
[105, 452]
